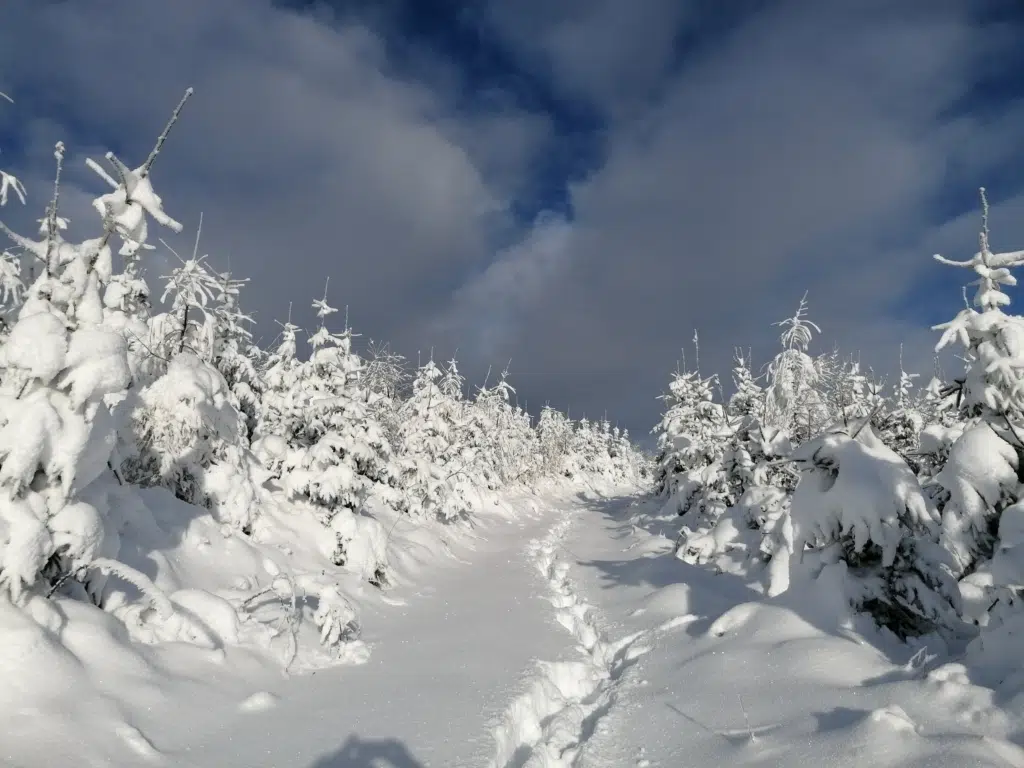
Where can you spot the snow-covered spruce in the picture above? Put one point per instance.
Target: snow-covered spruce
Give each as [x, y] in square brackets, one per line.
[858, 510]
[63, 374]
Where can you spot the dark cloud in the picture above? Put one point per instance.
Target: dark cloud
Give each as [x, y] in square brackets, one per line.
[610, 52]
[745, 157]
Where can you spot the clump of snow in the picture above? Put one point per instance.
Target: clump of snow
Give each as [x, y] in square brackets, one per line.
[37, 345]
[258, 702]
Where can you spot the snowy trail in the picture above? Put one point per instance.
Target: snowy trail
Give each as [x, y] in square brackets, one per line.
[443, 668]
[567, 699]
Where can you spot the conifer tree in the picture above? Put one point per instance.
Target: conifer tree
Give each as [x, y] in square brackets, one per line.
[859, 508]
[980, 478]
[793, 403]
[63, 371]
[336, 456]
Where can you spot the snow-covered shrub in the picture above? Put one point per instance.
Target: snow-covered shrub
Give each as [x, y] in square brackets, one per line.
[183, 422]
[860, 509]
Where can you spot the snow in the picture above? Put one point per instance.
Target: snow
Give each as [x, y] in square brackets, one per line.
[37, 345]
[730, 677]
[558, 631]
[252, 715]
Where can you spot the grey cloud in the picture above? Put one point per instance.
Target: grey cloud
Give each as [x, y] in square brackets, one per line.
[791, 157]
[307, 156]
[611, 53]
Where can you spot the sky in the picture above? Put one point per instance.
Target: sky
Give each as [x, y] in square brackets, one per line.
[573, 186]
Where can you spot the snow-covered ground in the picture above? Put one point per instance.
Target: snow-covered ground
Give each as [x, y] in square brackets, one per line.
[439, 658]
[559, 631]
[725, 676]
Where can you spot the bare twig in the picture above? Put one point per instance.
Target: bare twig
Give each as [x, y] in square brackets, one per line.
[51, 217]
[144, 171]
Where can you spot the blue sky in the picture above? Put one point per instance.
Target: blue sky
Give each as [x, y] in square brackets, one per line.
[571, 185]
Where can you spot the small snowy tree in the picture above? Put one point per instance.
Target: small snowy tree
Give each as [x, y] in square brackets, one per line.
[386, 379]
[859, 509]
[500, 435]
[189, 324]
[185, 421]
[691, 446]
[756, 486]
[793, 403]
[900, 421]
[319, 436]
[428, 435]
[190, 433]
[980, 478]
[554, 433]
[235, 355]
[61, 373]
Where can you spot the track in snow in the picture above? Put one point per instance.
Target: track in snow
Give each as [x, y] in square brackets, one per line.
[549, 724]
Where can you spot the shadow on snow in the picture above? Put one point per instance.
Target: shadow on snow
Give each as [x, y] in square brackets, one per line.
[369, 753]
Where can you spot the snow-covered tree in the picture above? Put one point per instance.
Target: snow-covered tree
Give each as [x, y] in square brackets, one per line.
[500, 435]
[234, 353]
[900, 420]
[793, 403]
[386, 380]
[318, 434]
[554, 434]
[184, 422]
[860, 513]
[191, 434]
[428, 435]
[752, 485]
[62, 371]
[980, 478]
[691, 445]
